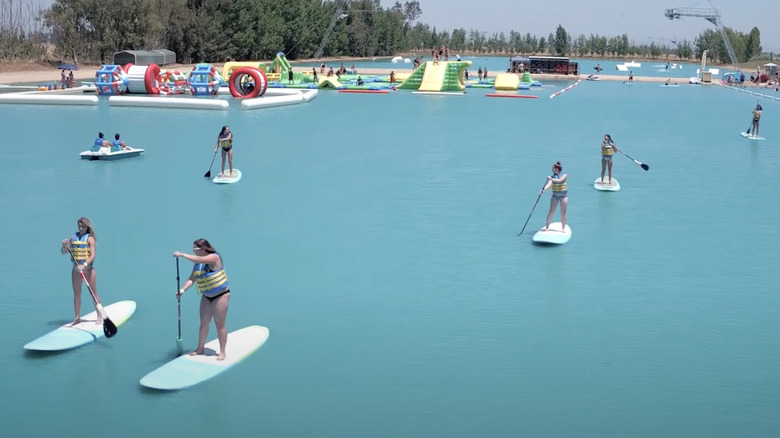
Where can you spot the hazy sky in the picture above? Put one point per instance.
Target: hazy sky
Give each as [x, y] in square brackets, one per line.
[640, 19]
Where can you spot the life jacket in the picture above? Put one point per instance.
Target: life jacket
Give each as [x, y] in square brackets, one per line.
[80, 248]
[558, 187]
[210, 283]
[606, 148]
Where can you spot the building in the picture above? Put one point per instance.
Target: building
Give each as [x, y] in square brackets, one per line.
[544, 64]
[145, 57]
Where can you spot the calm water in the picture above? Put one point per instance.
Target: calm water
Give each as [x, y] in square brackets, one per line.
[376, 236]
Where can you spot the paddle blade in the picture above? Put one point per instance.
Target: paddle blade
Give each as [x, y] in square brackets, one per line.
[208, 174]
[645, 166]
[109, 328]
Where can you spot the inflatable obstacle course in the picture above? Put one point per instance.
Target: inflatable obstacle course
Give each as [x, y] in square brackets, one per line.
[444, 76]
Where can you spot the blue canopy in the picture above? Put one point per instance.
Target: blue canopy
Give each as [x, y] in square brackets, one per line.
[64, 66]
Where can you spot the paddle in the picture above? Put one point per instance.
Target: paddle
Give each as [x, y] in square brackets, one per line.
[179, 346]
[208, 174]
[643, 165]
[534, 208]
[109, 328]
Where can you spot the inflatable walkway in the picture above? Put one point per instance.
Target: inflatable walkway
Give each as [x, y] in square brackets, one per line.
[444, 76]
[330, 81]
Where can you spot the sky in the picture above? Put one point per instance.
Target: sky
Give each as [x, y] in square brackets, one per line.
[639, 19]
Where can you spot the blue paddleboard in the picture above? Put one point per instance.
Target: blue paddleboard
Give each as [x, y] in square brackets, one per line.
[67, 336]
[228, 178]
[605, 186]
[553, 236]
[186, 370]
[750, 137]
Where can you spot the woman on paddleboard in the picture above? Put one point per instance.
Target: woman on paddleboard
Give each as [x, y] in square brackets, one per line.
[225, 141]
[756, 118]
[608, 149]
[558, 184]
[210, 277]
[82, 247]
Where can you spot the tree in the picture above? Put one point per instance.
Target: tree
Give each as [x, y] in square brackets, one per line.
[412, 11]
[753, 44]
[684, 49]
[655, 51]
[542, 47]
[562, 42]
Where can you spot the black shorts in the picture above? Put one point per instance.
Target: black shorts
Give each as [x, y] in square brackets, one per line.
[216, 296]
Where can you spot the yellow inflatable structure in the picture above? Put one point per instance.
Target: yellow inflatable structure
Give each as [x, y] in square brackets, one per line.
[507, 81]
[228, 68]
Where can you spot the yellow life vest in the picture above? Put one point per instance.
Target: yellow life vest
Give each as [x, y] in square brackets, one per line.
[558, 187]
[225, 143]
[80, 248]
[210, 283]
[606, 148]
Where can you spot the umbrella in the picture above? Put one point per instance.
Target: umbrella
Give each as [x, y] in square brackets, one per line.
[64, 66]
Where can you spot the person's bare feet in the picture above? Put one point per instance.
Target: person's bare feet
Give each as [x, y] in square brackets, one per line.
[196, 353]
[221, 356]
[75, 321]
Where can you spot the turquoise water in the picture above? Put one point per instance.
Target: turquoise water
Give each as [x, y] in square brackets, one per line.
[376, 236]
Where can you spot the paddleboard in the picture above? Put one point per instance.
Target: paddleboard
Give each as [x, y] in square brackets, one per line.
[750, 137]
[669, 85]
[553, 236]
[606, 186]
[67, 336]
[228, 179]
[186, 370]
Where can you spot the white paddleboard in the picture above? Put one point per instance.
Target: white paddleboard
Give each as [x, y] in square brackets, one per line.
[553, 236]
[670, 85]
[228, 179]
[67, 336]
[186, 370]
[750, 136]
[606, 186]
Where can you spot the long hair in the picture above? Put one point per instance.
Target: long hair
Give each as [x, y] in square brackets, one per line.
[88, 225]
[203, 243]
[222, 132]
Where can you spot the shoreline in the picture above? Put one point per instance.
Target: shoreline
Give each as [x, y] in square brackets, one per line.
[49, 76]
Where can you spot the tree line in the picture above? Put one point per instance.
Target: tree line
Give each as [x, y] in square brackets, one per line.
[91, 31]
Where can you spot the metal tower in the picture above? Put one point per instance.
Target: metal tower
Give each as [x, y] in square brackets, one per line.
[711, 15]
[341, 5]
